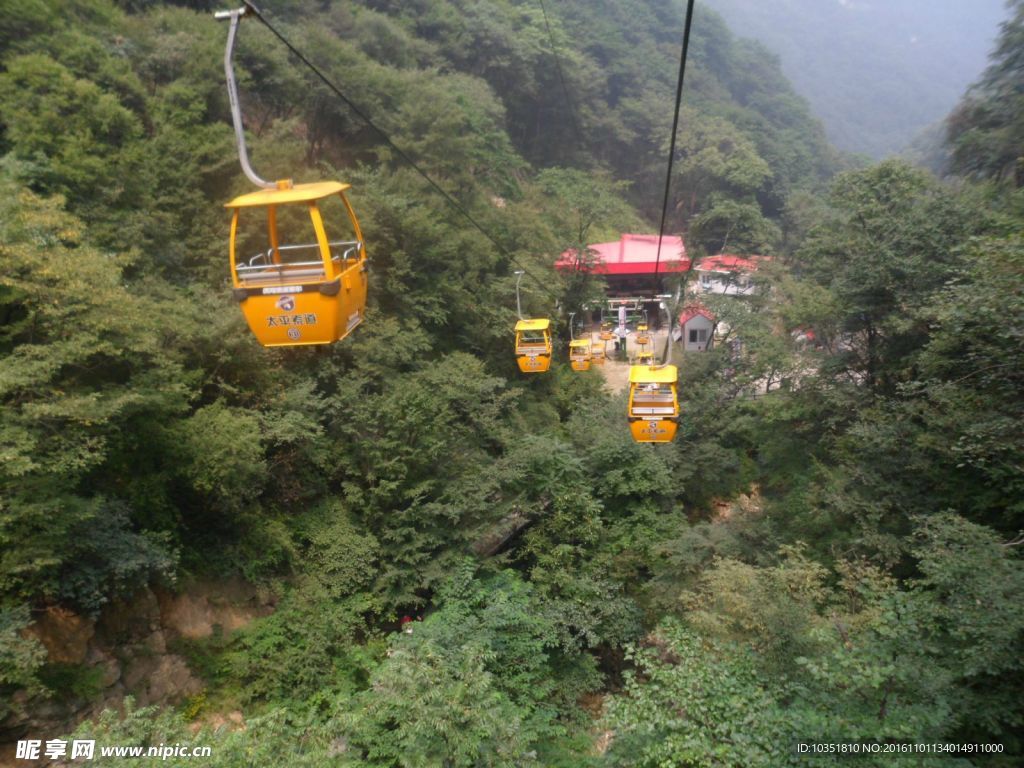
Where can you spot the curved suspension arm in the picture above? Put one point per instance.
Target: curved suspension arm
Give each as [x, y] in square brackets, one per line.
[668, 335]
[572, 336]
[519, 305]
[236, 111]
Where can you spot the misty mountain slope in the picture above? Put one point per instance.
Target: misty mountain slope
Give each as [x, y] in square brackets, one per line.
[876, 73]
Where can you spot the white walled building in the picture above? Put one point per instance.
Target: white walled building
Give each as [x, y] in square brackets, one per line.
[698, 326]
[726, 274]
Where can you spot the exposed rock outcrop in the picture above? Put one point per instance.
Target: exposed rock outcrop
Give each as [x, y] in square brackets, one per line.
[64, 634]
[128, 650]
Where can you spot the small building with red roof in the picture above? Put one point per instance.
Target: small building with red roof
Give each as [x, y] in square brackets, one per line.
[697, 326]
[727, 273]
[630, 263]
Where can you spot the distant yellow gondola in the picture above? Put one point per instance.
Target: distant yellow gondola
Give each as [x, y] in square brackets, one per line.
[533, 345]
[580, 354]
[641, 334]
[299, 293]
[653, 409]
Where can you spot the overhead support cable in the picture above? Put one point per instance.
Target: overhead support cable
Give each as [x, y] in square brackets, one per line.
[251, 8]
[573, 112]
[672, 143]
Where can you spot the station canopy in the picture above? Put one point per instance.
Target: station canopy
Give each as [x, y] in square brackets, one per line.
[629, 255]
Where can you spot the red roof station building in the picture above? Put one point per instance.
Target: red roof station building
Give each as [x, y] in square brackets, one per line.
[629, 264]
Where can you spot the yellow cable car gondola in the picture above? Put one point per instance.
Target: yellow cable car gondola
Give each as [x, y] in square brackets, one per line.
[533, 338]
[598, 353]
[292, 293]
[653, 409]
[580, 354]
[641, 332]
[533, 345]
[606, 328]
[299, 293]
[641, 336]
[653, 403]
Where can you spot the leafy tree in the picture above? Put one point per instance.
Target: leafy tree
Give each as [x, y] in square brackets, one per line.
[587, 207]
[271, 736]
[35, 93]
[82, 363]
[477, 683]
[774, 610]
[433, 706]
[985, 129]
[889, 222]
[731, 227]
[411, 461]
[860, 647]
[310, 649]
[970, 380]
[715, 157]
[21, 656]
[696, 703]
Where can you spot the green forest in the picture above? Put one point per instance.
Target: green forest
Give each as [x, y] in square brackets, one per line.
[836, 558]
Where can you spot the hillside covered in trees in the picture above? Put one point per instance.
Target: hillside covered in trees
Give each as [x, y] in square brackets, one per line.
[836, 556]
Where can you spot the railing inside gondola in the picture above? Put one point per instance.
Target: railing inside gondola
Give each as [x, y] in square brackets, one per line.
[261, 265]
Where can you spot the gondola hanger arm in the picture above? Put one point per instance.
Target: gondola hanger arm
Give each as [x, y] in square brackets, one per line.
[233, 16]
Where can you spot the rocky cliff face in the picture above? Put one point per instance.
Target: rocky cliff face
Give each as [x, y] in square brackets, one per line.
[125, 652]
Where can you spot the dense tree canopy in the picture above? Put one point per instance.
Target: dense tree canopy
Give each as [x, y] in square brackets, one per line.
[829, 549]
[985, 130]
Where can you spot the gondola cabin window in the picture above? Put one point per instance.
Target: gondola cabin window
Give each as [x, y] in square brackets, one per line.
[281, 241]
[532, 339]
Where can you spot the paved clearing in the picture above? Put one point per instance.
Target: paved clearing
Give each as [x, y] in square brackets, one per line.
[616, 370]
